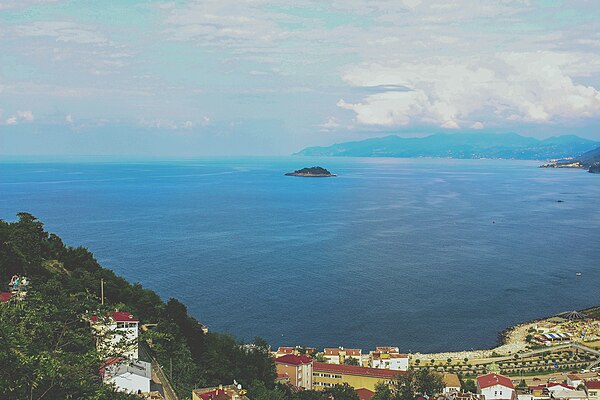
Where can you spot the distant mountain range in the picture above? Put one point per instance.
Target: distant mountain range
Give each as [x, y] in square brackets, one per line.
[460, 145]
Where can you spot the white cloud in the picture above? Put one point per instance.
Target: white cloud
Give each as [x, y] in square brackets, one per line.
[188, 124]
[25, 115]
[69, 119]
[533, 87]
[20, 116]
[63, 32]
[331, 124]
[478, 125]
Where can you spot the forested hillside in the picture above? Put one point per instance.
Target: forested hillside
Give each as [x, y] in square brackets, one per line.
[47, 350]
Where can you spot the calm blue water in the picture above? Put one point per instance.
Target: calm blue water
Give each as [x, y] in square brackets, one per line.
[392, 251]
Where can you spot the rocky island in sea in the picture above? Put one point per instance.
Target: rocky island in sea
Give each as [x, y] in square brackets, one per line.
[312, 172]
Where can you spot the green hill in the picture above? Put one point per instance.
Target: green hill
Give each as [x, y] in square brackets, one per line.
[459, 145]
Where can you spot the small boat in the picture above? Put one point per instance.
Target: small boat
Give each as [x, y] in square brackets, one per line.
[577, 273]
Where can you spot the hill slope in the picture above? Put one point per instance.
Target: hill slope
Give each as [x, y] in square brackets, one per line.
[459, 145]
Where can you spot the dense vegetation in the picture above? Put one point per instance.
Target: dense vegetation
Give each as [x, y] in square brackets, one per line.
[47, 347]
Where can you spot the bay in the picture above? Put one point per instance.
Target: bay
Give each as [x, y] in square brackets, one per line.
[424, 254]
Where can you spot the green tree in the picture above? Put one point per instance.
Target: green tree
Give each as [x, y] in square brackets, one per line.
[383, 392]
[351, 361]
[340, 392]
[468, 385]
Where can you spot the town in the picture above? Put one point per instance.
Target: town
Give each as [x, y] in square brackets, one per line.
[553, 358]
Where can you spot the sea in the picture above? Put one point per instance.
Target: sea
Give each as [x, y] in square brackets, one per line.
[425, 254]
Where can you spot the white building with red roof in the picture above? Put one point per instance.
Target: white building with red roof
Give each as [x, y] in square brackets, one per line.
[117, 333]
[593, 390]
[495, 387]
[339, 355]
[298, 368]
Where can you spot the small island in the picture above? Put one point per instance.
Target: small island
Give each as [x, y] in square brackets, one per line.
[312, 172]
[595, 168]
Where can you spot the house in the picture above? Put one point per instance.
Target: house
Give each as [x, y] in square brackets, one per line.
[574, 380]
[326, 375]
[593, 390]
[565, 394]
[127, 376]
[230, 392]
[284, 351]
[386, 360]
[451, 383]
[298, 368]
[117, 334]
[495, 387]
[465, 396]
[339, 355]
[5, 296]
[365, 394]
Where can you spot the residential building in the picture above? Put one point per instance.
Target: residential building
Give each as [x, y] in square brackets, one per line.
[5, 296]
[340, 354]
[284, 351]
[117, 334]
[495, 387]
[574, 380]
[386, 360]
[451, 383]
[128, 376]
[298, 368]
[365, 394]
[593, 390]
[230, 392]
[327, 375]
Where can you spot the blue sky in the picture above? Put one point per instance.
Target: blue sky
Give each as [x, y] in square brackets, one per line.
[228, 77]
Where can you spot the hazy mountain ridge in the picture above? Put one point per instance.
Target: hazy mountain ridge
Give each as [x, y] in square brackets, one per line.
[459, 145]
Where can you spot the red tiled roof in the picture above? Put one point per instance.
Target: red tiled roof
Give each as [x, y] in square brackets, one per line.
[118, 316]
[592, 384]
[365, 394]
[354, 370]
[285, 350]
[5, 296]
[293, 360]
[573, 377]
[554, 384]
[282, 376]
[107, 362]
[490, 380]
[336, 351]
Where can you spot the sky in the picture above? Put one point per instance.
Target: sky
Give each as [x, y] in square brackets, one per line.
[257, 77]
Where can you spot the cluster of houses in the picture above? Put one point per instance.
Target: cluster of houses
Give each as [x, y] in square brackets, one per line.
[386, 363]
[383, 357]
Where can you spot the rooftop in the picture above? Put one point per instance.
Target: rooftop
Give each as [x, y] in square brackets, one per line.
[451, 380]
[365, 394]
[293, 360]
[490, 380]
[354, 370]
[330, 351]
[592, 384]
[118, 316]
[5, 296]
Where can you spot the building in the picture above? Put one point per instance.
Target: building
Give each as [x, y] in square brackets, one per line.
[339, 355]
[574, 380]
[593, 390]
[5, 296]
[128, 376]
[117, 334]
[495, 387]
[326, 375]
[451, 383]
[230, 392]
[284, 351]
[365, 394]
[299, 369]
[387, 360]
